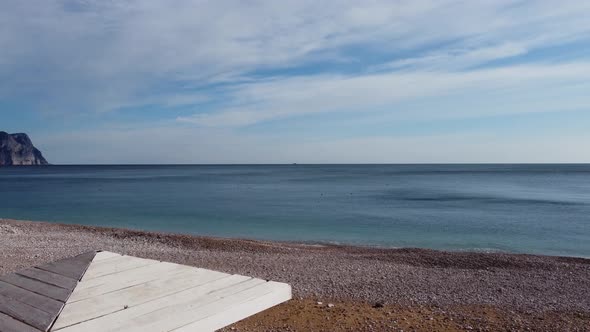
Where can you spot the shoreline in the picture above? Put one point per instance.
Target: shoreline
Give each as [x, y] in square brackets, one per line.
[221, 242]
[319, 244]
[456, 289]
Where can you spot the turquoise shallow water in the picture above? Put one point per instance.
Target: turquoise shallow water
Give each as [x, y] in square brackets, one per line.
[516, 208]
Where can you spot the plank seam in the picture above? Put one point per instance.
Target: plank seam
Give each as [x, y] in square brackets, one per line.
[30, 291]
[18, 300]
[129, 286]
[41, 268]
[68, 262]
[184, 290]
[18, 320]
[154, 299]
[208, 293]
[246, 300]
[84, 321]
[25, 304]
[108, 274]
[108, 282]
[120, 271]
[131, 270]
[84, 272]
[106, 260]
[43, 281]
[77, 283]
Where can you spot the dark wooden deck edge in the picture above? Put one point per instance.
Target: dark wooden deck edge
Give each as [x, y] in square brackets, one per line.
[32, 299]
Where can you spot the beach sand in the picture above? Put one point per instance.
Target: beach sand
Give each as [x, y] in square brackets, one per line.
[341, 288]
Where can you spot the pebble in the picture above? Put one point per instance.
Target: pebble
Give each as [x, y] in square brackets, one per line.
[371, 275]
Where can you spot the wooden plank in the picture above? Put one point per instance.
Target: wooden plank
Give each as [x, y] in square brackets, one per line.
[9, 324]
[216, 319]
[70, 270]
[117, 320]
[49, 278]
[180, 315]
[25, 313]
[35, 300]
[102, 255]
[111, 260]
[115, 265]
[113, 282]
[36, 296]
[71, 267]
[119, 300]
[126, 293]
[35, 286]
[148, 271]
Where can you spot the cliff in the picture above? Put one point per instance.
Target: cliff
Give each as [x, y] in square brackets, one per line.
[17, 149]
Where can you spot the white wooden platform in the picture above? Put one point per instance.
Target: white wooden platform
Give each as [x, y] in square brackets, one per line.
[124, 293]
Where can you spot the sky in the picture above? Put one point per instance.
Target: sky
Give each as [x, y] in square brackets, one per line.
[394, 81]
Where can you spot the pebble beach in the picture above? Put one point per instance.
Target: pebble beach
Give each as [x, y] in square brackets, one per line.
[345, 288]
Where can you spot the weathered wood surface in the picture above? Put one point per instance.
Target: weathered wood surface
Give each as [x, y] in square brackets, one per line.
[9, 324]
[109, 303]
[123, 293]
[38, 287]
[74, 267]
[25, 313]
[49, 278]
[115, 265]
[31, 299]
[101, 255]
[110, 292]
[126, 279]
[216, 315]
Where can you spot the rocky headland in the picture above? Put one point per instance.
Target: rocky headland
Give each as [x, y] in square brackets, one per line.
[18, 149]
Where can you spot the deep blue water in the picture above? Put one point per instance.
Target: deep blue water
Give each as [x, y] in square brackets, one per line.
[516, 208]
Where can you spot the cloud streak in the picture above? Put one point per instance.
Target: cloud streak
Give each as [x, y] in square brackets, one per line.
[100, 54]
[228, 65]
[279, 98]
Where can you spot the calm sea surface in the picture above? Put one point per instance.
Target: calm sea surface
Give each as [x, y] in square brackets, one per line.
[516, 208]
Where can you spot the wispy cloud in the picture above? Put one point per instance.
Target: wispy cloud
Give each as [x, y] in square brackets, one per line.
[456, 59]
[233, 64]
[101, 53]
[285, 97]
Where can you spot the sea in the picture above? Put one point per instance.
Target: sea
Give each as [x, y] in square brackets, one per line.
[520, 208]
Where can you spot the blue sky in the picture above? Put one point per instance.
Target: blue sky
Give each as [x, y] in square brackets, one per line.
[298, 81]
